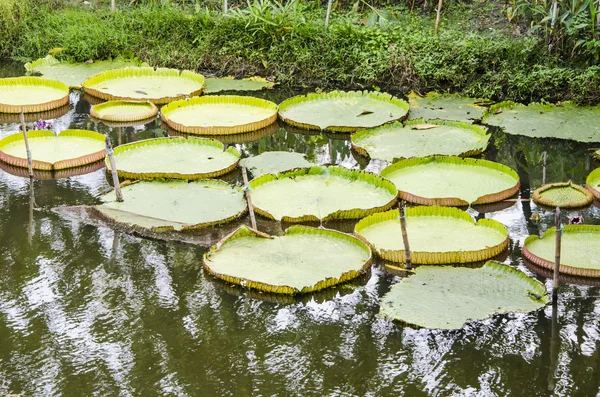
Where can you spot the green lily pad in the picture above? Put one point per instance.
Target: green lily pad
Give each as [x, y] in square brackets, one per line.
[448, 297]
[74, 74]
[173, 205]
[563, 195]
[564, 121]
[420, 138]
[452, 181]
[274, 162]
[593, 183]
[218, 84]
[124, 111]
[580, 250]
[444, 107]
[321, 193]
[305, 259]
[31, 94]
[436, 235]
[340, 111]
[177, 158]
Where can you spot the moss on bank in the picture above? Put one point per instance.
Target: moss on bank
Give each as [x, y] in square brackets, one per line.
[297, 49]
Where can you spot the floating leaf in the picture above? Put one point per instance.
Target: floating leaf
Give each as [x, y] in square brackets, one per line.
[31, 94]
[580, 250]
[563, 195]
[124, 111]
[394, 141]
[444, 107]
[305, 259]
[447, 297]
[274, 162]
[218, 84]
[593, 182]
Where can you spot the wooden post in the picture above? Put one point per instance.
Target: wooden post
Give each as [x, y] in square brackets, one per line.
[554, 347]
[557, 255]
[437, 17]
[544, 155]
[30, 225]
[225, 6]
[329, 5]
[248, 198]
[113, 170]
[113, 6]
[404, 234]
[29, 159]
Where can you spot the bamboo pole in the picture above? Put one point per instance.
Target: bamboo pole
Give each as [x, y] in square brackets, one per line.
[329, 5]
[554, 348]
[30, 224]
[404, 234]
[544, 155]
[556, 255]
[24, 129]
[113, 6]
[225, 7]
[249, 198]
[437, 17]
[113, 169]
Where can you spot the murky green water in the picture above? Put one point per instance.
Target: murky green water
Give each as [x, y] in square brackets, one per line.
[85, 310]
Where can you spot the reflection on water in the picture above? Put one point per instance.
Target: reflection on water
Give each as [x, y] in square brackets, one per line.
[86, 310]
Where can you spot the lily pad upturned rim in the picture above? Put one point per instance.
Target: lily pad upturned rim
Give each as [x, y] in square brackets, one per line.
[455, 201]
[594, 176]
[35, 107]
[33, 117]
[141, 71]
[165, 229]
[244, 231]
[45, 175]
[147, 110]
[245, 137]
[333, 170]
[59, 165]
[220, 99]
[381, 96]
[479, 129]
[565, 269]
[538, 195]
[172, 175]
[434, 258]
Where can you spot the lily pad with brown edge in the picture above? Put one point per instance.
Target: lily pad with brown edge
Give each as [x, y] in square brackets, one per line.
[304, 260]
[31, 95]
[158, 86]
[580, 250]
[592, 183]
[445, 107]
[173, 205]
[229, 83]
[174, 158]
[74, 74]
[436, 235]
[274, 162]
[321, 193]
[444, 297]
[124, 111]
[219, 114]
[563, 195]
[344, 112]
[70, 149]
[452, 181]
[43, 175]
[562, 121]
[596, 154]
[395, 141]
[246, 137]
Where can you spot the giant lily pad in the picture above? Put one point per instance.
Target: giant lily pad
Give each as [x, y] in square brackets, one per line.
[74, 74]
[173, 205]
[452, 181]
[71, 148]
[564, 121]
[420, 138]
[580, 250]
[274, 162]
[339, 111]
[593, 183]
[563, 195]
[31, 94]
[321, 193]
[218, 84]
[445, 107]
[219, 114]
[33, 117]
[124, 111]
[177, 158]
[436, 235]
[145, 84]
[445, 297]
[305, 259]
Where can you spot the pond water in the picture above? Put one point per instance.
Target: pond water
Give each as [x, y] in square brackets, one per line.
[87, 310]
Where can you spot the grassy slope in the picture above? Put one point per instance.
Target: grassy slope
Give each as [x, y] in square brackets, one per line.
[469, 57]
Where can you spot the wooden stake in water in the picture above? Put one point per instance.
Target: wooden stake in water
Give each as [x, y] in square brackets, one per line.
[404, 234]
[544, 168]
[248, 198]
[556, 255]
[113, 169]
[29, 159]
